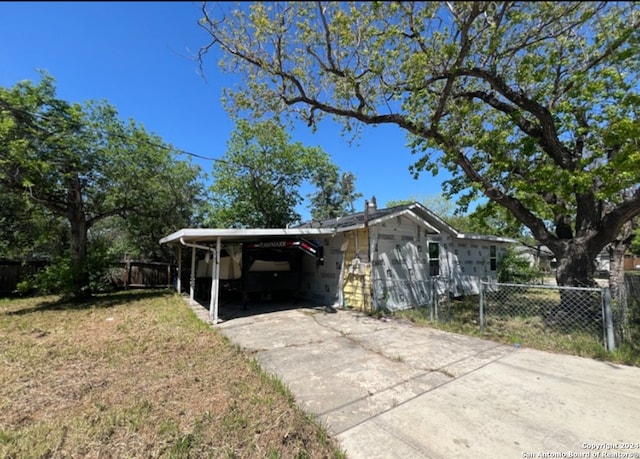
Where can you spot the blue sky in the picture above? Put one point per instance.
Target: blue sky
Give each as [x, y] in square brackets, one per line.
[139, 57]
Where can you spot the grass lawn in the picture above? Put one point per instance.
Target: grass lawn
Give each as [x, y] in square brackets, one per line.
[136, 374]
[463, 318]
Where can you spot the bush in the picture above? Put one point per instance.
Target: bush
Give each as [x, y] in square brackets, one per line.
[515, 269]
[57, 278]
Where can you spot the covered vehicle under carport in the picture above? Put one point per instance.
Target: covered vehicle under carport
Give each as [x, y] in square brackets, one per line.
[254, 241]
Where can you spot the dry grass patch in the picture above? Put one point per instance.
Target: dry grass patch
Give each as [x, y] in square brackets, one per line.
[136, 374]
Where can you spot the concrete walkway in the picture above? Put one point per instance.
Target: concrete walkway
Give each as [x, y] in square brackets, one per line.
[388, 389]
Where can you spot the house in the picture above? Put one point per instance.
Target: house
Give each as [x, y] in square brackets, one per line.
[541, 256]
[537, 256]
[392, 258]
[396, 258]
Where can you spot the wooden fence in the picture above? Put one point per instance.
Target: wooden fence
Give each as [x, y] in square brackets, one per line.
[631, 263]
[125, 274]
[12, 272]
[140, 274]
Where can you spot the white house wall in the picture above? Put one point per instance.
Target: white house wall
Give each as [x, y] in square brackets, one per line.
[401, 274]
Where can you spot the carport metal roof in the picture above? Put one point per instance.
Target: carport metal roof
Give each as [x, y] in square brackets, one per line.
[195, 235]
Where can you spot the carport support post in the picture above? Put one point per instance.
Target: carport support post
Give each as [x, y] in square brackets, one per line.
[179, 280]
[192, 280]
[215, 284]
[481, 306]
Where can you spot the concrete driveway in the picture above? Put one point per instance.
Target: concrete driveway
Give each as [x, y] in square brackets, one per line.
[388, 389]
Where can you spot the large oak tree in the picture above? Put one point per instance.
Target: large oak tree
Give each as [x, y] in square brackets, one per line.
[533, 104]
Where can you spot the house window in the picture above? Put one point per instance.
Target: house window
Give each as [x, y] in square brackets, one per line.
[434, 259]
[493, 258]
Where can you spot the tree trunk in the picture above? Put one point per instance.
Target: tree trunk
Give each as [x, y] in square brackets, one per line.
[79, 230]
[578, 309]
[575, 266]
[618, 290]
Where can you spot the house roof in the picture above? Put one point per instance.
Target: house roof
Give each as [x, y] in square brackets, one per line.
[372, 216]
[414, 211]
[541, 250]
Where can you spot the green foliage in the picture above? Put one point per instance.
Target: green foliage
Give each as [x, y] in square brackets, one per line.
[81, 165]
[257, 182]
[28, 230]
[491, 218]
[56, 278]
[532, 104]
[515, 269]
[335, 193]
[635, 242]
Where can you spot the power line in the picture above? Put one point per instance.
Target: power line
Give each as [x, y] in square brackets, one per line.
[34, 116]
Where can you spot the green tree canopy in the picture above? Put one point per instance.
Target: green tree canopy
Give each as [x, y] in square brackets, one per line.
[29, 231]
[533, 104]
[83, 164]
[257, 183]
[335, 193]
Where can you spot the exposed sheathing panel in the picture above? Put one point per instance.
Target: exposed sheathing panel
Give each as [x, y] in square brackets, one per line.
[357, 286]
[401, 263]
[402, 272]
[357, 271]
[471, 262]
[321, 280]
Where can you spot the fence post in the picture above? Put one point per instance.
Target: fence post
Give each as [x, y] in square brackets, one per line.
[436, 304]
[608, 321]
[128, 281]
[481, 306]
[432, 301]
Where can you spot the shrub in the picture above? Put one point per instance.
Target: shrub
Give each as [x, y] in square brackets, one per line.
[57, 277]
[515, 269]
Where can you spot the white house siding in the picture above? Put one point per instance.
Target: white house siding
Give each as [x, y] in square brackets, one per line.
[603, 262]
[400, 264]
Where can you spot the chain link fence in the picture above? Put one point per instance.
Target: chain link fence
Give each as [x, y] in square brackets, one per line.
[539, 316]
[530, 312]
[397, 294]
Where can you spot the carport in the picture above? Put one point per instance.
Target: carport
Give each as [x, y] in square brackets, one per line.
[213, 240]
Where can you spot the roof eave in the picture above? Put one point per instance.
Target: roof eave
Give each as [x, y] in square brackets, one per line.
[211, 234]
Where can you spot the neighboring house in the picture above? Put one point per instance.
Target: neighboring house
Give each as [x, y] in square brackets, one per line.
[543, 257]
[537, 256]
[603, 262]
[392, 258]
